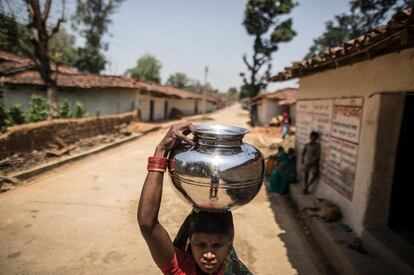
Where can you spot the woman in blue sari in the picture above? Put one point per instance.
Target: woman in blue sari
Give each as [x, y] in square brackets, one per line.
[284, 173]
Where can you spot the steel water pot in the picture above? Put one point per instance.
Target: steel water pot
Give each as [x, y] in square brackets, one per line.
[219, 172]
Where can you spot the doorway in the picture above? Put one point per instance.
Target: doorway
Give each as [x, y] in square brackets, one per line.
[401, 207]
[196, 107]
[151, 110]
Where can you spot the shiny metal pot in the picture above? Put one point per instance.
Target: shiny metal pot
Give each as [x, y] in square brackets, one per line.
[219, 172]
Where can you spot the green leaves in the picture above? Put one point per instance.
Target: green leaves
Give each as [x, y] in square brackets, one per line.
[90, 59]
[178, 80]
[38, 109]
[283, 32]
[261, 15]
[62, 48]
[92, 18]
[16, 115]
[10, 32]
[65, 109]
[80, 110]
[4, 119]
[266, 21]
[364, 15]
[148, 68]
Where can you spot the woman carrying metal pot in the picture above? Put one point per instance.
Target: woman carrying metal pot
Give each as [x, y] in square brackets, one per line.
[204, 243]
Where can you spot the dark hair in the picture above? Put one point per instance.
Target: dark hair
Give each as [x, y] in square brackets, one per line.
[314, 134]
[204, 222]
[211, 222]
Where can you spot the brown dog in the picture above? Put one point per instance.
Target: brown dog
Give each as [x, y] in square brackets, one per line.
[325, 210]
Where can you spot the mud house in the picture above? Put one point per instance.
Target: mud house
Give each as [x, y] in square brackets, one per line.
[274, 104]
[188, 103]
[360, 98]
[156, 102]
[99, 93]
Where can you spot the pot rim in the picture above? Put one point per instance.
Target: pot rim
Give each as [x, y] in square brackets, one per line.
[219, 131]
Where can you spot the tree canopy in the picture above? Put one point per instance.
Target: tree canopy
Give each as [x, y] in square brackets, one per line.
[233, 94]
[196, 87]
[178, 80]
[10, 31]
[148, 68]
[92, 18]
[266, 21]
[61, 46]
[362, 16]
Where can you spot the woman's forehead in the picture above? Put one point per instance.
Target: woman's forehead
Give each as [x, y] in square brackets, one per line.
[209, 238]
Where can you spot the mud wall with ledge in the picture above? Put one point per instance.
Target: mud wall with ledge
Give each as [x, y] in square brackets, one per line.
[37, 136]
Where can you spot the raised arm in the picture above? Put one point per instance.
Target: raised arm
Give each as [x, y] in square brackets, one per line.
[157, 238]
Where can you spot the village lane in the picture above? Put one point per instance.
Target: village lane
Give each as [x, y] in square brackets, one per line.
[81, 219]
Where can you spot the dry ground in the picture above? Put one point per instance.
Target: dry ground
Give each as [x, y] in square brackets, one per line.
[81, 219]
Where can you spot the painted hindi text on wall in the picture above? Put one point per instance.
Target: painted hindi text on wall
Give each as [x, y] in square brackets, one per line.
[338, 122]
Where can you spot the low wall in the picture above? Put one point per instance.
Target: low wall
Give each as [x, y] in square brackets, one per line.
[36, 136]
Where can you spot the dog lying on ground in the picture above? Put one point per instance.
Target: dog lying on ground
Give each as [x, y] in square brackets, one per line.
[325, 210]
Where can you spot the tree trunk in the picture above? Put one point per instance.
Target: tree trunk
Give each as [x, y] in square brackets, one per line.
[42, 59]
[53, 101]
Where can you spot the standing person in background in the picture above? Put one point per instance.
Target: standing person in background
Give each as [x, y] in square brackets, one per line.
[310, 160]
[285, 125]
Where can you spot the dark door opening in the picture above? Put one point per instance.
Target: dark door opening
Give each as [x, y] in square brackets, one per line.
[401, 218]
[166, 109]
[196, 107]
[151, 114]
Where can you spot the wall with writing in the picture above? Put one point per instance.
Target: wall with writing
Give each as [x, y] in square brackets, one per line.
[338, 122]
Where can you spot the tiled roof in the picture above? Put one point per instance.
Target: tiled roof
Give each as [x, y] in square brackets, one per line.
[396, 35]
[79, 80]
[19, 70]
[286, 96]
[169, 90]
[88, 81]
[10, 63]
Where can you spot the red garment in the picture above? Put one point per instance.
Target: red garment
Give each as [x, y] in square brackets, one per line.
[183, 264]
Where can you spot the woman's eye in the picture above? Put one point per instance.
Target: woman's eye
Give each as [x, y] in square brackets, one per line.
[201, 245]
[216, 246]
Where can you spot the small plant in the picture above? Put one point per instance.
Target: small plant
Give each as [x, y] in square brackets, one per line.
[97, 113]
[65, 109]
[16, 115]
[4, 119]
[38, 109]
[80, 110]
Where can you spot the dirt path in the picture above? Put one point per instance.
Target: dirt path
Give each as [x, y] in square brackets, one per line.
[81, 219]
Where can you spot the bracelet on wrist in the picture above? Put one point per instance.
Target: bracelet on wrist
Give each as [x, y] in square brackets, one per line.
[157, 164]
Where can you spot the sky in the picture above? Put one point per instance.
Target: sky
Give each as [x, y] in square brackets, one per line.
[188, 35]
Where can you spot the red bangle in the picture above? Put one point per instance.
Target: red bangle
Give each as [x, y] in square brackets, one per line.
[157, 164]
[156, 168]
[156, 159]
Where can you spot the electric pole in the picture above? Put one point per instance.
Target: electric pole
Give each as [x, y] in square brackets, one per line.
[205, 90]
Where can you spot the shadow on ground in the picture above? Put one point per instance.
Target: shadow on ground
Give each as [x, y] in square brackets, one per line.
[302, 249]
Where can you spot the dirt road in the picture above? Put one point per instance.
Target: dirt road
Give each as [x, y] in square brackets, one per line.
[81, 219]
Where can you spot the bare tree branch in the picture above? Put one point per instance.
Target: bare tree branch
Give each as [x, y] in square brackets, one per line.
[46, 11]
[55, 29]
[261, 61]
[61, 20]
[247, 62]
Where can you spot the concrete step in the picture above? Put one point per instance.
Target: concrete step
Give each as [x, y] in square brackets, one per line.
[334, 242]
